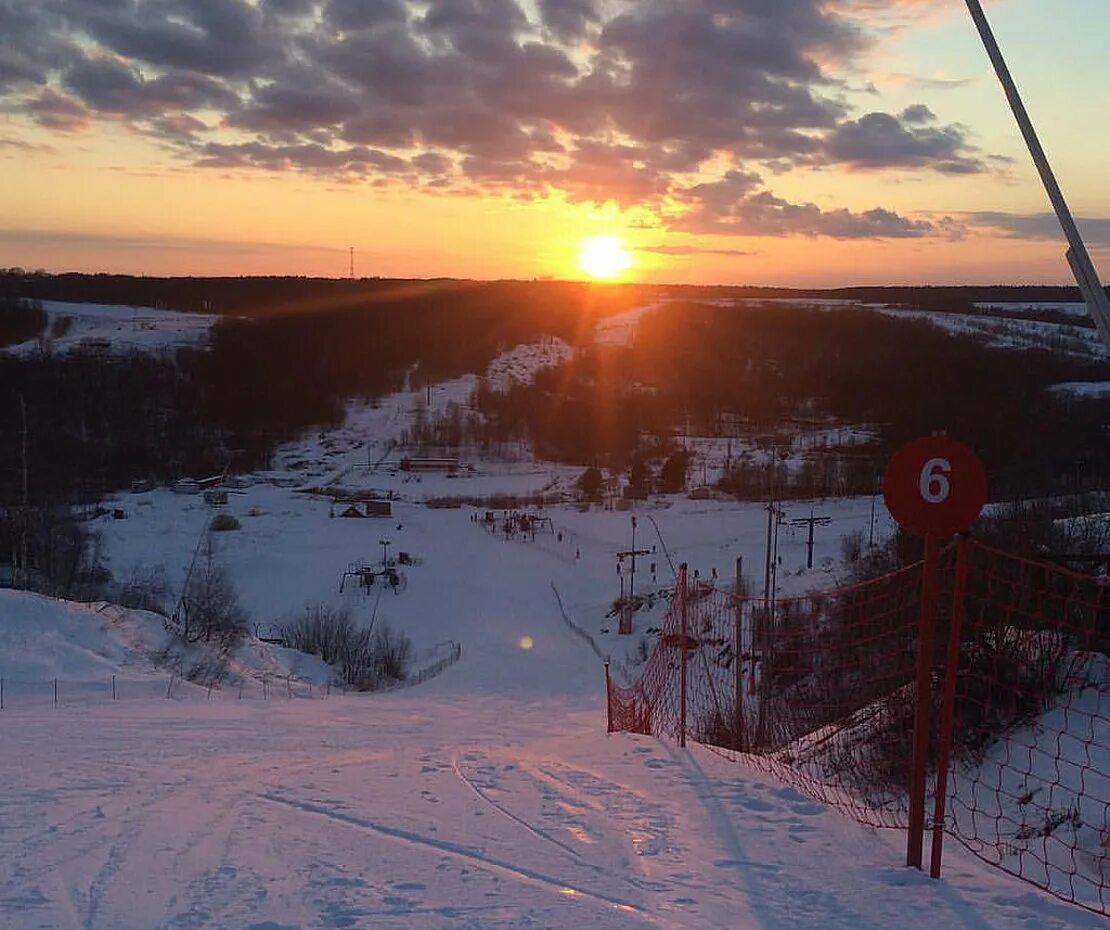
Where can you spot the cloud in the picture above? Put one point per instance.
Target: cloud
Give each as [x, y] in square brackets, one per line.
[56, 111]
[738, 205]
[1044, 226]
[880, 140]
[632, 101]
[687, 250]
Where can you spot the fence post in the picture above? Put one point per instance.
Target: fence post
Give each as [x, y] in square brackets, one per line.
[926, 642]
[737, 650]
[1, 693]
[113, 687]
[948, 708]
[682, 595]
[608, 701]
[55, 692]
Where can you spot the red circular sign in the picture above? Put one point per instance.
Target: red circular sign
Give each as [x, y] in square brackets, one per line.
[935, 486]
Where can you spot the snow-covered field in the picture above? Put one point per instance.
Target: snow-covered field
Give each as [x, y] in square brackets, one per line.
[117, 329]
[489, 797]
[1002, 332]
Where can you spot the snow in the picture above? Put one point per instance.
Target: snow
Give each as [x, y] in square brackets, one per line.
[488, 797]
[999, 332]
[118, 329]
[1033, 308]
[1096, 389]
[53, 650]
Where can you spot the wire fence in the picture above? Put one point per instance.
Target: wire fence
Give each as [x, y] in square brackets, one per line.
[822, 691]
[24, 693]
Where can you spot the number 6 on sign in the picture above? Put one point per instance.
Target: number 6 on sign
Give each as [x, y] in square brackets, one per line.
[935, 486]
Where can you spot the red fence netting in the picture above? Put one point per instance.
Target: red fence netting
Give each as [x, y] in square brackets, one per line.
[820, 692]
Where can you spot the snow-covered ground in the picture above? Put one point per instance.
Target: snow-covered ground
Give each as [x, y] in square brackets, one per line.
[1033, 308]
[117, 329]
[489, 797]
[1000, 332]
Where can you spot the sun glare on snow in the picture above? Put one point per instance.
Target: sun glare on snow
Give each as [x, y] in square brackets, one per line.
[604, 257]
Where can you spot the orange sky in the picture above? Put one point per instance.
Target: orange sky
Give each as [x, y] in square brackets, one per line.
[106, 192]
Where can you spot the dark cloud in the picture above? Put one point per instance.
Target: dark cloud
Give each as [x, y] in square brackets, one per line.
[880, 140]
[570, 20]
[623, 100]
[737, 205]
[214, 37]
[354, 15]
[55, 111]
[109, 86]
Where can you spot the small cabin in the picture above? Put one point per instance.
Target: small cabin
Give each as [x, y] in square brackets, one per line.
[446, 465]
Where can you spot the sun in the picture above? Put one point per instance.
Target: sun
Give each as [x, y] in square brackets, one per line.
[604, 257]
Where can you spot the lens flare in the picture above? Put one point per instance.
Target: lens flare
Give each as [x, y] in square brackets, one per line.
[604, 257]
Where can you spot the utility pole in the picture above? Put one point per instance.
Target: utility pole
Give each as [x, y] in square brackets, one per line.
[352, 269]
[812, 522]
[871, 531]
[24, 509]
[1098, 305]
[626, 616]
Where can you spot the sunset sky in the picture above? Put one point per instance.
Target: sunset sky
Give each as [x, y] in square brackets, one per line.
[787, 142]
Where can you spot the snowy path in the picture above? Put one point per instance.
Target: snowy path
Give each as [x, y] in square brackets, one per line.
[435, 810]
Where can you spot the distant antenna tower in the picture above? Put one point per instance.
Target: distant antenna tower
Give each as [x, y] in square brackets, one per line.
[1098, 304]
[352, 262]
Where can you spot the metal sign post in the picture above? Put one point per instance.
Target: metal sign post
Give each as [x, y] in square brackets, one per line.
[1078, 258]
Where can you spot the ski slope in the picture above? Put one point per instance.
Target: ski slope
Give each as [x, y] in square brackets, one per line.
[489, 798]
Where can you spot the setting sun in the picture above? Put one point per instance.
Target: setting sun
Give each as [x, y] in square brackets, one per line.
[604, 257]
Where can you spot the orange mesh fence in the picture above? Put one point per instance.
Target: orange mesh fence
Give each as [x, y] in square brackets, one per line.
[820, 692]
[1029, 786]
[817, 690]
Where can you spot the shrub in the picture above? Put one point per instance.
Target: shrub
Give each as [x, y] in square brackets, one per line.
[223, 522]
[146, 588]
[365, 660]
[210, 606]
[61, 326]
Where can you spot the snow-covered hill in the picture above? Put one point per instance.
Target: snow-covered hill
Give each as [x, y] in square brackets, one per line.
[489, 798]
[90, 652]
[116, 329]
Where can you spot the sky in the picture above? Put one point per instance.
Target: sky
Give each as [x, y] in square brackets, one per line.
[781, 142]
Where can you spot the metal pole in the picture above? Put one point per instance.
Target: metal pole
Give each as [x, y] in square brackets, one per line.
[682, 592]
[812, 524]
[1084, 270]
[871, 531]
[632, 574]
[738, 649]
[926, 641]
[608, 700]
[948, 709]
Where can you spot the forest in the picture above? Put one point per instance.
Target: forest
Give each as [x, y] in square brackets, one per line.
[89, 423]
